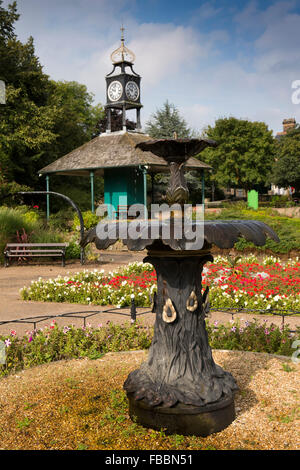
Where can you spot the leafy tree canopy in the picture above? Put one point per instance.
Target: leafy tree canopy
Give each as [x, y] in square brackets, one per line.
[77, 119]
[42, 119]
[244, 155]
[286, 171]
[165, 121]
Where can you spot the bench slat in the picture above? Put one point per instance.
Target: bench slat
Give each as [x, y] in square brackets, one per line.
[29, 250]
[26, 255]
[34, 251]
[10, 245]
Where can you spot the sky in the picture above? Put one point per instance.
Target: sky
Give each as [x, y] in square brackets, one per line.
[211, 59]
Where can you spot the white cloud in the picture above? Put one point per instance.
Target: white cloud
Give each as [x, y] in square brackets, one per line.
[206, 11]
[74, 39]
[198, 116]
[165, 50]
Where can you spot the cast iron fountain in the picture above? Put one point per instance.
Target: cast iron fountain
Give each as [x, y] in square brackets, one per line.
[180, 388]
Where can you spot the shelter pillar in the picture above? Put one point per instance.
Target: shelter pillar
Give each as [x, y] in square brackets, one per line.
[124, 118]
[108, 120]
[138, 119]
[145, 190]
[152, 188]
[47, 198]
[92, 191]
[203, 187]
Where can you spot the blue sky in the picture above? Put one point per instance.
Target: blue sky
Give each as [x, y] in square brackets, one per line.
[210, 58]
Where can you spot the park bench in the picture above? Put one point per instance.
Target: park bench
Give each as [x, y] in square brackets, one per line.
[28, 250]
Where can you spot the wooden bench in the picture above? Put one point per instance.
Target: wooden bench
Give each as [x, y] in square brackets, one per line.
[28, 250]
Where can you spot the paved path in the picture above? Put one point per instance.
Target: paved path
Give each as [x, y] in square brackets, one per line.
[12, 307]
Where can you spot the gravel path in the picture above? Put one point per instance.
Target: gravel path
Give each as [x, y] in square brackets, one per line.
[12, 307]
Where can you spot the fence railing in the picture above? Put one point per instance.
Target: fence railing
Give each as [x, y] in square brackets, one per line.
[133, 312]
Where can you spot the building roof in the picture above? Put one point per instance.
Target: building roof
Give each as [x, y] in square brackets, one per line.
[113, 150]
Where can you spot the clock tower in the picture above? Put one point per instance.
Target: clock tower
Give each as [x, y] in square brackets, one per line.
[123, 85]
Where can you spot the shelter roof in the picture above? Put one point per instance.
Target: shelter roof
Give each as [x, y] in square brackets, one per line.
[113, 150]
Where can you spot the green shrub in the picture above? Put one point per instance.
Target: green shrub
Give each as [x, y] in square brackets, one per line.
[73, 250]
[32, 217]
[90, 219]
[43, 235]
[62, 220]
[11, 222]
[26, 222]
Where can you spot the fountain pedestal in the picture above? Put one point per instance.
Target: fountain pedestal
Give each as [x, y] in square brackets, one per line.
[184, 419]
[180, 388]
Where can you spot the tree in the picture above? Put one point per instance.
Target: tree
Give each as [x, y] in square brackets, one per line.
[165, 121]
[42, 120]
[286, 170]
[244, 155]
[77, 119]
[116, 122]
[27, 119]
[162, 125]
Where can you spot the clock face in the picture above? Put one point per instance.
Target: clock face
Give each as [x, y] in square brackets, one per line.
[115, 91]
[132, 91]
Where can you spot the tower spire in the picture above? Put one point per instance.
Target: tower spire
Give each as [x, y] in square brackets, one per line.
[122, 54]
[122, 33]
[123, 87]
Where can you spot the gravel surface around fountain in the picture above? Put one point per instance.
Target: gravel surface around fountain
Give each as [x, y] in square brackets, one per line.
[69, 405]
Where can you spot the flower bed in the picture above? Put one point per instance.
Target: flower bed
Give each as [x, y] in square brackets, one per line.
[241, 283]
[270, 284]
[53, 343]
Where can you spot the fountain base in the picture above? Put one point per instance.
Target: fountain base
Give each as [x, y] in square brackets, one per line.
[184, 419]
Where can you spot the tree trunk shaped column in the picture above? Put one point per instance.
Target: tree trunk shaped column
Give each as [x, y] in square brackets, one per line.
[180, 387]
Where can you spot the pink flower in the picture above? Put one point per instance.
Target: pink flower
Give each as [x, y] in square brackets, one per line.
[30, 339]
[13, 333]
